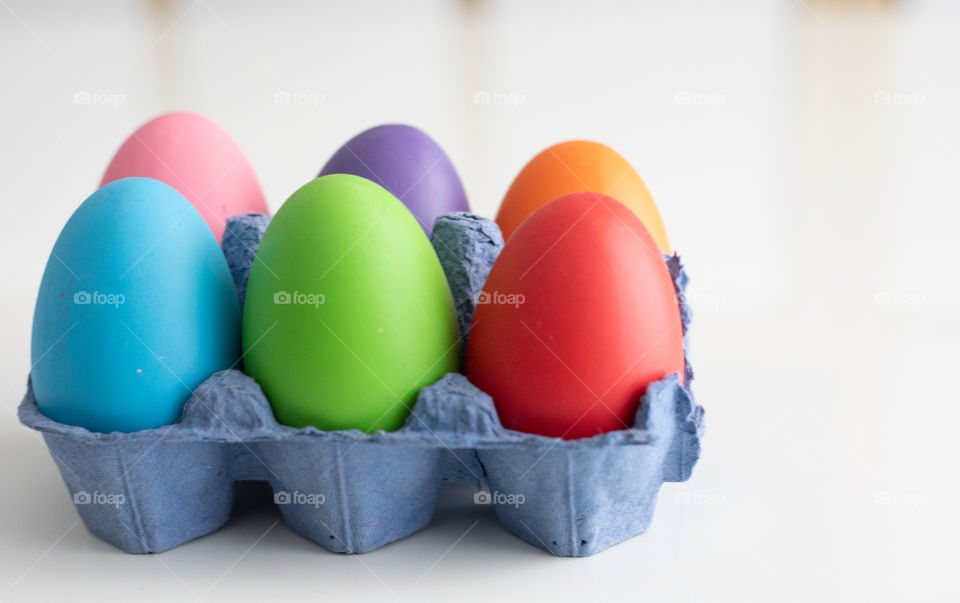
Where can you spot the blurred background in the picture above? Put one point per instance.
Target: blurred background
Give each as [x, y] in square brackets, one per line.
[803, 155]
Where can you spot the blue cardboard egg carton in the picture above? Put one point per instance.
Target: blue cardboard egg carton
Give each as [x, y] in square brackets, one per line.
[352, 492]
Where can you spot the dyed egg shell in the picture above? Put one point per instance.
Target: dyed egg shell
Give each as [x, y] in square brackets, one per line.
[347, 313]
[194, 155]
[577, 317]
[577, 166]
[409, 164]
[136, 308]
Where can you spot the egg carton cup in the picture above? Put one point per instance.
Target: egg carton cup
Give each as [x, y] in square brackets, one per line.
[353, 492]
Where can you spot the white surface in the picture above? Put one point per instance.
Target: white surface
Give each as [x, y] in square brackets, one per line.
[819, 226]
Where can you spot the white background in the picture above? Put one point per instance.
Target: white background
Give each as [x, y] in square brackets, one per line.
[804, 157]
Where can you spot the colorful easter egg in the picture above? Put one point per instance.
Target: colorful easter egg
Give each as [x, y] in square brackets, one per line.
[409, 164]
[576, 166]
[577, 317]
[136, 308]
[194, 155]
[347, 313]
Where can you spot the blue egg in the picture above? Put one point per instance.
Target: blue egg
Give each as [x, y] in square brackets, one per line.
[136, 308]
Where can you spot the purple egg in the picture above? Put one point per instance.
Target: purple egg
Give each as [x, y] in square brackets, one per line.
[409, 164]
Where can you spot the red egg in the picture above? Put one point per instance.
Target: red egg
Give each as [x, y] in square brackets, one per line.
[576, 319]
[194, 155]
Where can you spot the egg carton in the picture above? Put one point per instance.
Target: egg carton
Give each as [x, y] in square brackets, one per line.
[352, 492]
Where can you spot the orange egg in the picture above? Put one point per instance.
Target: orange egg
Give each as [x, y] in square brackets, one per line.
[578, 166]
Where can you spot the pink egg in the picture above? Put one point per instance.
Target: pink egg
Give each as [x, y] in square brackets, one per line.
[194, 155]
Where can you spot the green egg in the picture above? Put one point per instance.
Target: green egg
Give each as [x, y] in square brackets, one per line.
[347, 313]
